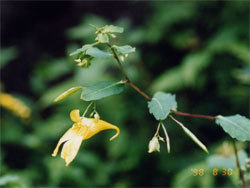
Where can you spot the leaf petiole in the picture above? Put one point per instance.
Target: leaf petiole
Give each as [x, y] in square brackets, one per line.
[87, 109]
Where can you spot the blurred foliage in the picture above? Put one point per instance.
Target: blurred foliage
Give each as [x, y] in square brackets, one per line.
[7, 54]
[198, 50]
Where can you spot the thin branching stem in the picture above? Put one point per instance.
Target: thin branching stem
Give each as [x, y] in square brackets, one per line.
[145, 95]
[238, 164]
[125, 74]
[193, 115]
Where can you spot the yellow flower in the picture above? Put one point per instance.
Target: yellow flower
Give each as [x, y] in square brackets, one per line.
[82, 129]
[15, 105]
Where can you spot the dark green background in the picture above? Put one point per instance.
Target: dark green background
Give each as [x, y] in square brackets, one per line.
[196, 50]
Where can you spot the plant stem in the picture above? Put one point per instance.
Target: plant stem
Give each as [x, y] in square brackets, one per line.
[193, 115]
[118, 61]
[145, 95]
[125, 74]
[238, 164]
[138, 90]
[87, 109]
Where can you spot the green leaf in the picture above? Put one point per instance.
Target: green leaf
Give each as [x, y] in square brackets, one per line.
[161, 104]
[80, 50]
[67, 93]
[194, 138]
[102, 38]
[184, 75]
[112, 29]
[124, 49]
[97, 53]
[102, 89]
[236, 126]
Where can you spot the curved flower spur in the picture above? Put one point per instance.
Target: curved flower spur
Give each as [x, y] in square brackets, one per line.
[82, 129]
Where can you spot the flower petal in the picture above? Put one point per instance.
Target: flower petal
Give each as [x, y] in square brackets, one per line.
[75, 115]
[95, 126]
[70, 149]
[67, 136]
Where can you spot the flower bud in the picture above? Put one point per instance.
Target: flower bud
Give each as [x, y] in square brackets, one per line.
[161, 139]
[78, 60]
[153, 145]
[96, 116]
[113, 35]
[85, 63]
[122, 57]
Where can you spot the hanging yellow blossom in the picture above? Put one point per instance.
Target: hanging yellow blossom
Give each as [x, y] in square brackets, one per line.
[15, 105]
[82, 129]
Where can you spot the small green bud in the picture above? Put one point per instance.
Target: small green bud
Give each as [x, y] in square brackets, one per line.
[122, 58]
[92, 113]
[78, 60]
[161, 139]
[113, 35]
[96, 116]
[85, 63]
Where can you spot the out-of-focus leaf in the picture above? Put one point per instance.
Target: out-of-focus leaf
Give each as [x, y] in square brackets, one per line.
[94, 74]
[183, 75]
[165, 17]
[88, 159]
[184, 39]
[48, 70]
[243, 74]
[102, 89]
[84, 30]
[218, 161]
[48, 96]
[222, 39]
[97, 53]
[8, 179]
[161, 104]
[124, 49]
[7, 54]
[241, 51]
[236, 126]
[226, 40]
[186, 177]
[112, 29]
